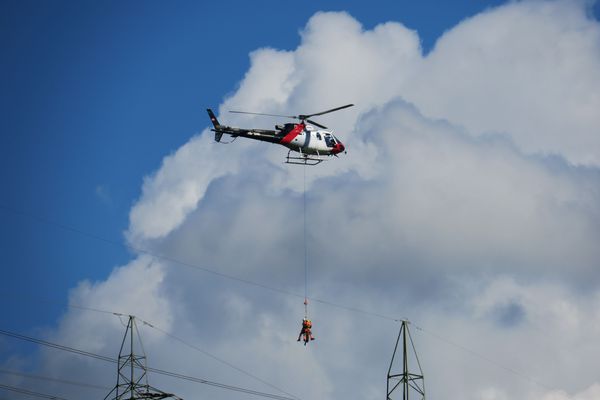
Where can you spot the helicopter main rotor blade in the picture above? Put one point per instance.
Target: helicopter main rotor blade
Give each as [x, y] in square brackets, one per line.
[317, 124]
[270, 115]
[301, 117]
[324, 112]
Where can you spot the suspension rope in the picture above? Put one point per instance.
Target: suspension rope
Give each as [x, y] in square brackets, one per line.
[305, 253]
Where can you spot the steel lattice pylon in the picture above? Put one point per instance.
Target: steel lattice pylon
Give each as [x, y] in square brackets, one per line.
[413, 385]
[132, 379]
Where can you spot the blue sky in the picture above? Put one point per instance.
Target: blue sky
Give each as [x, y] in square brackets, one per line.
[98, 97]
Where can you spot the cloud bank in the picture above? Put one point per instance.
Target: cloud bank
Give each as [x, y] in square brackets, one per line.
[469, 202]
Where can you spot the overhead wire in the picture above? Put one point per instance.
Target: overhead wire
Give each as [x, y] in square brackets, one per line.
[154, 326]
[56, 380]
[150, 369]
[220, 385]
[253, 283]
[30, 392]
[56, 346]
[180, 340]
[476, 354]
[141, 250]
[191, 266]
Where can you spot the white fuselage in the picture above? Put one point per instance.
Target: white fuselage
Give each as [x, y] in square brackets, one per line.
[314, 141]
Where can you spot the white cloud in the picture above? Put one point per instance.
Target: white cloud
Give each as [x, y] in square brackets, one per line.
[445, 210]
[483, 200]
[528, 69]
[132, 289]
[591, 393]
[175, 189]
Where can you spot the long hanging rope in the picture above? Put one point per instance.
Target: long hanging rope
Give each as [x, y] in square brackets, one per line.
[305, 253]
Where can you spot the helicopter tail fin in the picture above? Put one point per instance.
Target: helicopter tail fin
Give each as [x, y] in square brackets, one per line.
[216, 124]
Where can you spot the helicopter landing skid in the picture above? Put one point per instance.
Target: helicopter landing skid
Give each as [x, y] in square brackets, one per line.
[303, 159]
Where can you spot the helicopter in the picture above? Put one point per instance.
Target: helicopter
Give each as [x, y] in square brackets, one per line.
[314, 145]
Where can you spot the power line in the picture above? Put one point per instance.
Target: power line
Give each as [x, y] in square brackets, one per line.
[48, 379]
[30, 393]
[484, 358]
[357, 310]
[190, 265]
[103, 358]
[257, 284]
[155, 370]
[216, 358]
[145, 251]
[56, 346]
[220, 385]
[180, 340]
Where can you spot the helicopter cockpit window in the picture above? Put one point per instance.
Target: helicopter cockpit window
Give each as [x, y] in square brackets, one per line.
[329, 140]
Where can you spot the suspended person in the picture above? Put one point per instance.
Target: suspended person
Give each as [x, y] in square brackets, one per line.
[306, 326]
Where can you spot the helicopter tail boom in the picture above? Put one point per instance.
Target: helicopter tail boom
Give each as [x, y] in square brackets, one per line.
[217, 125]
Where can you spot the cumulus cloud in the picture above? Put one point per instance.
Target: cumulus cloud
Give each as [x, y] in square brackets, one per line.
[593, 392]
[468, 202]
[175, 189]
[530, 70]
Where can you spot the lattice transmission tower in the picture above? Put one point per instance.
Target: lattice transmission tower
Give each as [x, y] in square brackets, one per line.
[411, 384]
[132, 378]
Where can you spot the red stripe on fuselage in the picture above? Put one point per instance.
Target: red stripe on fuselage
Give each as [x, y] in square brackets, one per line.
[292, 135]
